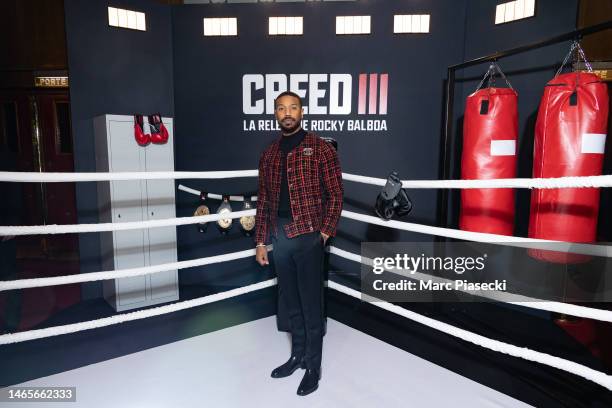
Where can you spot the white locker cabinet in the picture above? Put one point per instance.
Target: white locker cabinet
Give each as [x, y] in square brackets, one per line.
[135, 200]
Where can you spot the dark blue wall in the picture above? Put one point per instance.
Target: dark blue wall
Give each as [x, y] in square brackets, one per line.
[208, 99]
[114, 71]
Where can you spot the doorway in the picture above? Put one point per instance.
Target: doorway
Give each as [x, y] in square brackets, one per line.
[36, 136]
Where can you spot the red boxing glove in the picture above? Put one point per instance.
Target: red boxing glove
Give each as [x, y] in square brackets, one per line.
[141, 137]
[159, 133]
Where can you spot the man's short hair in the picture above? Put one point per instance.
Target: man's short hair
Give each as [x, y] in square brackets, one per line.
[288, 93]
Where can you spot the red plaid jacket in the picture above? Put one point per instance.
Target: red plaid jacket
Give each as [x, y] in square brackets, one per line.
[312, 168]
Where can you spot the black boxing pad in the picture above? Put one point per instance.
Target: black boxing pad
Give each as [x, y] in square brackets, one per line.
[393, 199]
[404, 204]
[384, 201]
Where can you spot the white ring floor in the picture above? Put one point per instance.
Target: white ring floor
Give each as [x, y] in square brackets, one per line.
[231, 368]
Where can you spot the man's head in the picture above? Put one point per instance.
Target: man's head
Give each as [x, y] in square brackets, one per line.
[288, 110]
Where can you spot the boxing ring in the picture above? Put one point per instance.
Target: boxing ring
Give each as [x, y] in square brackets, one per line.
[264, 327]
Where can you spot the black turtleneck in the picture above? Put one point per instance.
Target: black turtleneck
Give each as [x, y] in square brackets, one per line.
[287, 144]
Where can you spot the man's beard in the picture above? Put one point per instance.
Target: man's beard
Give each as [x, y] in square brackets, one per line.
[289, 128]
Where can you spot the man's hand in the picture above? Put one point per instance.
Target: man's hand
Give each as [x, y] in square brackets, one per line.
[325, 237]
[261, 255]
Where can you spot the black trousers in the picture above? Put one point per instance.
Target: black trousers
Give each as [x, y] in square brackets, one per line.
[299, 267]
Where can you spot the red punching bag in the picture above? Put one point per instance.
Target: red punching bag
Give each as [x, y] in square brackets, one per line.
[570, 139]
[490, 130]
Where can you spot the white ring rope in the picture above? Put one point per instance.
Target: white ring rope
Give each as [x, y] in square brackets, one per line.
[120, 226]
[559, 182]
[126, 317]
[519, 300]
[570, 247]
[495, 345]
[214, 196]
[595, 376]
[123, 273]
[573, 310]
[48, 177]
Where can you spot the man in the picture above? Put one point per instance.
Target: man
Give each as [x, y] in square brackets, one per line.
[294, 171]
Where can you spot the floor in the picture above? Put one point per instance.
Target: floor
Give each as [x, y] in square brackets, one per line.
[231, 368]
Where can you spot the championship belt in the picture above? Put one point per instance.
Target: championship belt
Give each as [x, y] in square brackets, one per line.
[247, 223]
[224, 224]
[202, 210]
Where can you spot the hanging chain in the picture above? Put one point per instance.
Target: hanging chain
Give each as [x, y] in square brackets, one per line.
[491, 82]
[575, 49]
[485, 77]
[586, 63]
[490, 74]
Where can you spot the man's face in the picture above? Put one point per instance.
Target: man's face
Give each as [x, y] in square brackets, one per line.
[288, 113]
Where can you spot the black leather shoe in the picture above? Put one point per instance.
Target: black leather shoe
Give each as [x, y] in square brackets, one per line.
[310, 382]
[289, 367]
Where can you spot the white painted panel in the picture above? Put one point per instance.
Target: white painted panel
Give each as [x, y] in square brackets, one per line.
[131, 19]
[366, 24]
[122, 18]
[425, 23]
[129, 254]
[593, 143]
[224, 26]
[299, 25]
[273, 25]
[509, 12]
[233, 26]
[529, 8]
[397, 24]
[290, 25]
[141, 22]
[416, 24]
[408, 24]
[282, 25]
[357, 25]
[503, 147]
[113, 18]
[519, 9]
[349, 24]
[500, 13]
[162, 249]
[161, 242]
[340, 25]
[126, 198]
